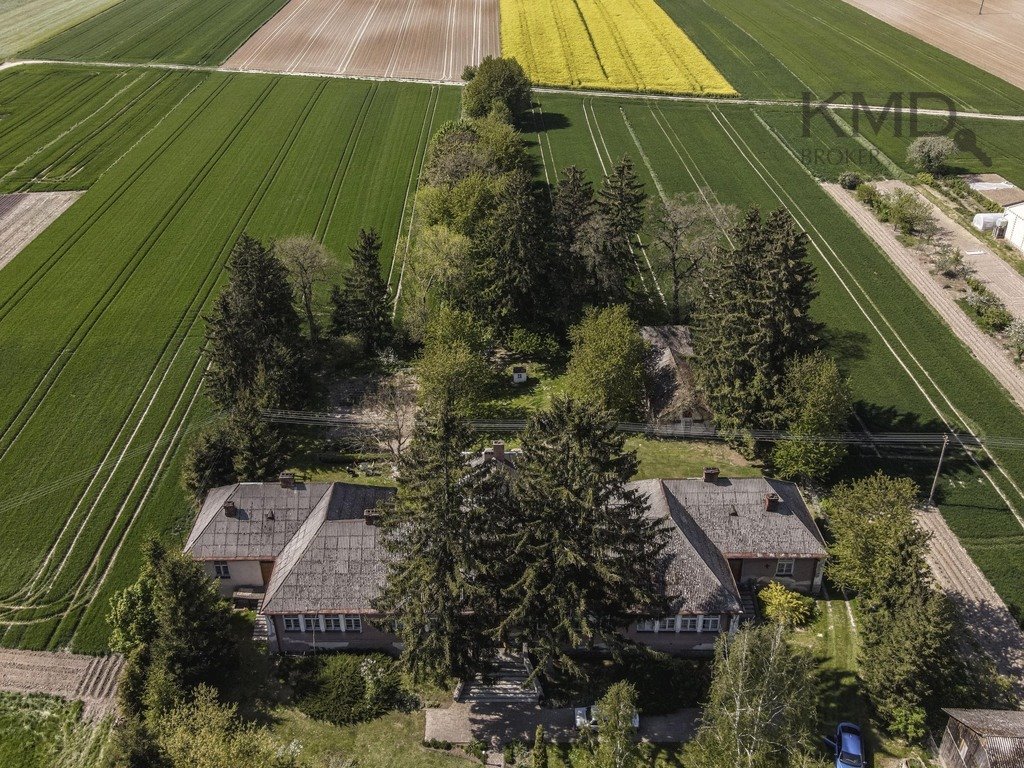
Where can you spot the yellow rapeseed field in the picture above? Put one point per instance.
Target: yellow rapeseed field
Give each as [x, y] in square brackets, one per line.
[629, 45]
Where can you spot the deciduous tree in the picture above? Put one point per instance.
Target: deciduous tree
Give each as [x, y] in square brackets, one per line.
[307, 261]
[496, 79]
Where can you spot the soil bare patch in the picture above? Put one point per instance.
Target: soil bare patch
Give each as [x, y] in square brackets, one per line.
[23, 216]
[400, 39]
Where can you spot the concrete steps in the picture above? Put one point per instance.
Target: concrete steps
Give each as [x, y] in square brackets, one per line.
[505, 682]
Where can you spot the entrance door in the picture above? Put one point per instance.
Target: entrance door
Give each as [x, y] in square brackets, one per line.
[736, 566]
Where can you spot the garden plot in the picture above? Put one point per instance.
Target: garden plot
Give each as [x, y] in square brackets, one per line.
[414, 39]
[24, 216]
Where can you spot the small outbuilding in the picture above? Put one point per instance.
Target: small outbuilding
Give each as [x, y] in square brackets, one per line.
[983, 738]
[994, 187]
[519, 374]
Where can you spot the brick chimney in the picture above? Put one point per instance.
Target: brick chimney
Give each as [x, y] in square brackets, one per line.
[371, 516]
[498, 450]
[230, 510]
[771, 502]
[711, 474]
[287, 479]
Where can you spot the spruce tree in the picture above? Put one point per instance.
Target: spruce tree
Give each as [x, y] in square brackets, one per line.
[752, 316]
[361, 307]
[573, 208]
[620, 205]
[253, 323]
[430, 591]
[581, 557]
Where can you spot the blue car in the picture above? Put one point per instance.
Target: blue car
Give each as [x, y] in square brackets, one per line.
[849, 746]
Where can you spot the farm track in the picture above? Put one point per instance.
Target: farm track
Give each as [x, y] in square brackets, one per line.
[626, 95]
[90, 679]
[985, 614]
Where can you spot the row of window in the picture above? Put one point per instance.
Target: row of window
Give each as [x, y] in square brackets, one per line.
[681, 624]
[323, 622]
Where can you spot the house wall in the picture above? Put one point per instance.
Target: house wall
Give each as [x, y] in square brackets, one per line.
[763, 569]
[1015, 226]
[677, 643]
[371, 638]
[244, 573]
[961, 748]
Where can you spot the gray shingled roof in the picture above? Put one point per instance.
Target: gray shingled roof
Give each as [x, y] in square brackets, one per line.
[254, 533]
[1006, 723]
[696, 577]
[334, 564]
[731, 511]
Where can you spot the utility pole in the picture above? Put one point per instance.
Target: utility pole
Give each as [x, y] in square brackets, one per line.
[938, 469]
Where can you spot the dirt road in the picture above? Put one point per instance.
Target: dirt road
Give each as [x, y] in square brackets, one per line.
[91, 679]
[986, 349]
[992, 40]
[987, 616]
[420, 39]
[24, 216]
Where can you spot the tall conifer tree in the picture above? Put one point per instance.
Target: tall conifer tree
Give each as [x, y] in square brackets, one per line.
[361, 307]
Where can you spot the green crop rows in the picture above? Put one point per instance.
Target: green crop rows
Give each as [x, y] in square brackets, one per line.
[782, 48]
[28, 22]
[100, 318]
[186, 32]
[906, 366]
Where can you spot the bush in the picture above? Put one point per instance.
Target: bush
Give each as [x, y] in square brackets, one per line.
[867, 194]
[849, 180]
[949, 261]
[784, 606]
[1015, 335]
[346, 688]
[988, 309]
[930, 153]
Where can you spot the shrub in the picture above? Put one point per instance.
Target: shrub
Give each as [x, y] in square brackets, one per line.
[849, 180]
[867, 194]
[988, 309]
[345, 688]
[477, 749]
[949, 261]
[1015, 335]
[784, 606]
[930, 153]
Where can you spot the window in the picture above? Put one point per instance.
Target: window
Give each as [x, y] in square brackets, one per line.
[784, 568]
[647, 625]
[220, 569]
[353, 624]
[292, 624]
[710, 623]
[332, 623]
[667, 625]
[687, 623]
[312, 623]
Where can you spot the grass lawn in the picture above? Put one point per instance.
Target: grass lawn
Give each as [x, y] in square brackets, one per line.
[783, 48]
[185, 32]
[683, 458]
[832, 639]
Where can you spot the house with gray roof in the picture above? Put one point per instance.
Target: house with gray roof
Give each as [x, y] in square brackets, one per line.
[727, 537]
[306, 555]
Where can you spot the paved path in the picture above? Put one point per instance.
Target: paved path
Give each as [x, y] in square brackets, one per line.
[91, 679]
[462, 722]
[982, 346]
[569, 91]
[985, 613]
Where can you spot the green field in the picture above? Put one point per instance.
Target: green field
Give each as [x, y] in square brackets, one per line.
[782, 48]
[24, 23]
[46, 732]
[100, 318]
[909, 372]
[185, 32]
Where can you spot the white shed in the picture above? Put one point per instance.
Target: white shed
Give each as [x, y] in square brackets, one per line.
[1015, 226]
